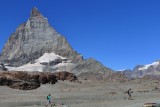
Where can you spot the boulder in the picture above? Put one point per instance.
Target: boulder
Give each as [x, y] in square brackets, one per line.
[66, 76]
[24, 85]
[4, 81]
[47, 78]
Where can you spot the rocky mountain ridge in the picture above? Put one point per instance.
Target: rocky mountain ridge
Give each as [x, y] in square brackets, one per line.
[36, 46]
[140, 71]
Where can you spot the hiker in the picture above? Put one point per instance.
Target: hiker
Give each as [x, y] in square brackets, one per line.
[129, 93]
[49, 100]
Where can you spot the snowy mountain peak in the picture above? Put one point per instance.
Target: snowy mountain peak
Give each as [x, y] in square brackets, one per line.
[36, 46]
[154, 64]
[33, 39]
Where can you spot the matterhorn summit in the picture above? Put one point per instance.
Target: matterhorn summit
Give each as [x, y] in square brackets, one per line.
[36, 46]
[35, 13]
[33, 39]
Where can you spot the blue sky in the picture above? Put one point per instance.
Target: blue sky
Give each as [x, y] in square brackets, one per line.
[118, 33]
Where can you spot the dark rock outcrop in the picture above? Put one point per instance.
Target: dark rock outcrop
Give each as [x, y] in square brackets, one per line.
[2, 67]
[66, 76]
[19, 80]
[24, 85]
[28, 81]
[47, 78]
[4, 81]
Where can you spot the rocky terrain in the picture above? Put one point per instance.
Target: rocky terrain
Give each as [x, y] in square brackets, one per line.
[29, 81]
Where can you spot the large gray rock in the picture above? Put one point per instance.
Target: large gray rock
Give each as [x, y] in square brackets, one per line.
[34, 38]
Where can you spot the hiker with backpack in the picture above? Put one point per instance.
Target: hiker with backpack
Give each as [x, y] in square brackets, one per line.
[49, 100]
[129, 93]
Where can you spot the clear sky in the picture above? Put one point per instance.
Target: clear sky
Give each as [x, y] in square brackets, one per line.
[118, 33]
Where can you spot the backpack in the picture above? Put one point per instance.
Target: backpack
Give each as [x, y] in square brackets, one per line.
[47, 98]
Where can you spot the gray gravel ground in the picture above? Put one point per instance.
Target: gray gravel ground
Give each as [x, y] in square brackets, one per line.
[86, 94]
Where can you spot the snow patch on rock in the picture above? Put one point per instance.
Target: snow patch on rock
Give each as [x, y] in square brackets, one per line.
[48, 57]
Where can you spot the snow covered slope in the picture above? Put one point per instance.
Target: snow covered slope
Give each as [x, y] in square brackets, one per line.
[47, 62]
[148, 69]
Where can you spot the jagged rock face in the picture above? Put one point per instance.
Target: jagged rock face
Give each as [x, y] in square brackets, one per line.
[34, 38]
